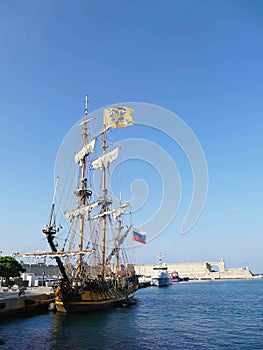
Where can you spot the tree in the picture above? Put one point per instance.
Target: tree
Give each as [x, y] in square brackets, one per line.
[10, 267]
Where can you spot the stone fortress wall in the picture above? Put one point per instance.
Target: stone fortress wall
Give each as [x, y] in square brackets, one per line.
[199, 270]
[194, 270]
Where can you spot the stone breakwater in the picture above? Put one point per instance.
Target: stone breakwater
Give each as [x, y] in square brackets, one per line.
[211, 270]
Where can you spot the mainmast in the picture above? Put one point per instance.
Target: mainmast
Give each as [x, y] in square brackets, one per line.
[113, 117]
[103, 163]
[118, 229]
[104, 147]
[118, 236]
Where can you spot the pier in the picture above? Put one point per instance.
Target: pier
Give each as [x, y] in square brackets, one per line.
[25, 301]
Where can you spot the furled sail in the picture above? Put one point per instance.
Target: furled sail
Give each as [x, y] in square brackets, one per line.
[85, 151]
[119, 211]
[115, 212]
[105, 159]
[83, 211]
[56, 254]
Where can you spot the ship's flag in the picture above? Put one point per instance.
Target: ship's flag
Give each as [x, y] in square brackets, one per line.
[138, 236]
[118, 117]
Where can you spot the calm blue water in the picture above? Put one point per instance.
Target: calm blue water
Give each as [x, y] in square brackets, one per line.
[206, 315]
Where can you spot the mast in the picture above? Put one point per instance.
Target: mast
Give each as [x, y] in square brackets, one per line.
[83, 192]
[118, 227]
[104, 205]
[118, 235]
[115, 250]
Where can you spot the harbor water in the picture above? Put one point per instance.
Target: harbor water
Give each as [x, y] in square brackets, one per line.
[191, 315]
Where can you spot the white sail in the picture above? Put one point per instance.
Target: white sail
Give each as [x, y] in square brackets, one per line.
[70, 215]
[86, 150]
[105, 159]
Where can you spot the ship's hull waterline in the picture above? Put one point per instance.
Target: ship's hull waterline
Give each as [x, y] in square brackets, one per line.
[91, 301]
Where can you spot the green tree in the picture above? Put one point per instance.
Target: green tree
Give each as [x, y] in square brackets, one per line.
[10, 267]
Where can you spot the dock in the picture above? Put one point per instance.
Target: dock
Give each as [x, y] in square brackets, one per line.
[29, 300]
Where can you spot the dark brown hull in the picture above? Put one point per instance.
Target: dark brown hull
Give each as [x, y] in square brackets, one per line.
[102, 302]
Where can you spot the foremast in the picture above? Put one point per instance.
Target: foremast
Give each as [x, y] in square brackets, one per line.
[83, 192]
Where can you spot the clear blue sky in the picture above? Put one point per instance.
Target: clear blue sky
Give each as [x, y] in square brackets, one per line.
[200, 59]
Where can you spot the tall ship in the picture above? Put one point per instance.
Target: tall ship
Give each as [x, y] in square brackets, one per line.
[94, 269]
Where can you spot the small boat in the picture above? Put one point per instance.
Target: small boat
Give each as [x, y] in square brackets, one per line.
[94, 271]
[160, 276]
[175, 277]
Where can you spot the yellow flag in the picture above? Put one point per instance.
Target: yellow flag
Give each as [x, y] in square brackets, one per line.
[118, 117]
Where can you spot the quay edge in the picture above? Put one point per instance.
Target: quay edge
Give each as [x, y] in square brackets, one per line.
[34, 300]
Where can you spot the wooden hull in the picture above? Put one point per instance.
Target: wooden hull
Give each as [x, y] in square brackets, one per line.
[90, 301]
